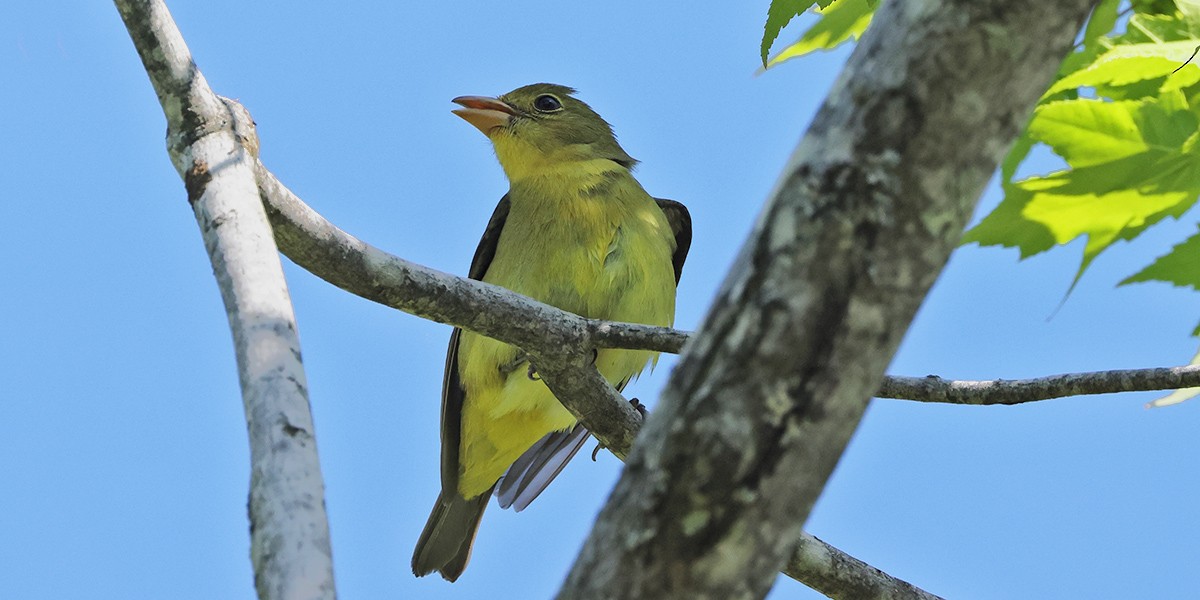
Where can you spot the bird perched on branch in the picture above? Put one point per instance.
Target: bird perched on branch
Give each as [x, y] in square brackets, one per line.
[575, 231]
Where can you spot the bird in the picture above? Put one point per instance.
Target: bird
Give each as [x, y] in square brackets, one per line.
[575, 231]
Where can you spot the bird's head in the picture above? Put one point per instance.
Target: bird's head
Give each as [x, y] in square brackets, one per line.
[541, 126]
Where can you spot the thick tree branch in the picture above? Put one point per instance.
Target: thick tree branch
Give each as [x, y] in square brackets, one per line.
[211, 144]
[766, 396]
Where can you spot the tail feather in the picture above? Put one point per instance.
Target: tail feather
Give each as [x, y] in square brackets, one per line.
[445, 544]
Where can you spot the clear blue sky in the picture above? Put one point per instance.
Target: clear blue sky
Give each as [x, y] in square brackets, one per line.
[123, 452]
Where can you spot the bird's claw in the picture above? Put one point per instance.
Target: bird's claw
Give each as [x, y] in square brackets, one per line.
[639, 407]
[510, 367]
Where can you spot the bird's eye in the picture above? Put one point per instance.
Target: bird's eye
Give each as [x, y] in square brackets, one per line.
[547, 103]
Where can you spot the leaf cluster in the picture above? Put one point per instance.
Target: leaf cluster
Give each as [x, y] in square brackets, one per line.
[1123, 115]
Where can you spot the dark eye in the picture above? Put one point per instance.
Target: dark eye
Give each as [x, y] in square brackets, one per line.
[547, 103]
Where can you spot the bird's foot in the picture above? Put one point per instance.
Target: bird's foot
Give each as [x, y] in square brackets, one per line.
[510, 367]
[638, 406]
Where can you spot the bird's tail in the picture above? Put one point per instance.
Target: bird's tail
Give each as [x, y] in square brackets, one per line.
[445, 544]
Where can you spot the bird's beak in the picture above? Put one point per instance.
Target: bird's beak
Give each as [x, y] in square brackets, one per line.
[486, 114]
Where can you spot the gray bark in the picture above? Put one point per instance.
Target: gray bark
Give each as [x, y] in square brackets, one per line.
[841, 576]
[211, 143]
[768, 393]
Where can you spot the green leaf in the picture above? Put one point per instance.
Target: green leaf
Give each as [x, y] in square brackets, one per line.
[1102, 21]
[1180, 266]
[1133, 63]
[1190, 9]
[1129, 172]
[779, 14]
[1174, 397]
[1133, 150]
[1153, 6]
[1107, 202]
[1154, 29]
[1016, 155]
[840, 22]
[1088, 132]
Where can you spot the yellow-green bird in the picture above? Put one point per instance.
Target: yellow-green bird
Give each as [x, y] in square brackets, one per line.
[576, 231]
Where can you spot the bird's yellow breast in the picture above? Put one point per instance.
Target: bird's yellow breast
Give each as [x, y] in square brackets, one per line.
[585, 238]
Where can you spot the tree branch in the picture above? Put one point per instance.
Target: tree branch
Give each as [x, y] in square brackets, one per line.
[766, 396]
[211, 144]
[839, 575]
[1018, 391]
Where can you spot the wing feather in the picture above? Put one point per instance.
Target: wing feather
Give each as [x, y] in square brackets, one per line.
[681, 224]
[452, 390]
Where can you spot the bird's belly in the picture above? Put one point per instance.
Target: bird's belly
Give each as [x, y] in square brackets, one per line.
[618, 275]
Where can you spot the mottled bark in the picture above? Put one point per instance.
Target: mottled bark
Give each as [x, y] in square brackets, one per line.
[839, 575]
[212, 143]
[768, 393]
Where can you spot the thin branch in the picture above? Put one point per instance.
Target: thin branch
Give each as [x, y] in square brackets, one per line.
[1185, 63]
[1018, 391]
[211, 144]
[839, 575]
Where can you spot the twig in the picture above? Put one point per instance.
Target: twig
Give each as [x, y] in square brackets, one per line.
[1185, 63]
[1018, 391]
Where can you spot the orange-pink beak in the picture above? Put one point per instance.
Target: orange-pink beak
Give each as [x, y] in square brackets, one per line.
[486, 114]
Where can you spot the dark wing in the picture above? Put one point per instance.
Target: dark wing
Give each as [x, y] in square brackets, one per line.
[681, 225]
[486, 251]
[452, 391]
